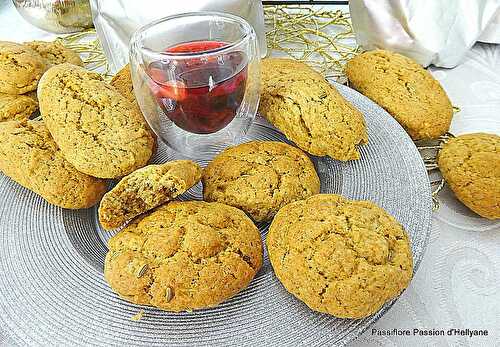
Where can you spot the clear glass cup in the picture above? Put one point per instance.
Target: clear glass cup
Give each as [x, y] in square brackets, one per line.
[196, 77]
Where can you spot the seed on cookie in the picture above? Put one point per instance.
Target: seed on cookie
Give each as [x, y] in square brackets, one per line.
[169, 294]
[16, 107]
[339, 256]
[260, 177]
[404, 89]
[470, 164]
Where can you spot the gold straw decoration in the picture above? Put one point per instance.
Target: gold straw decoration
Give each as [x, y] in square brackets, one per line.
[322, 38]
[429, 151]
[87, 44]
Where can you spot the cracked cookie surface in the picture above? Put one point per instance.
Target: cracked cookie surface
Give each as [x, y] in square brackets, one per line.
[16, 107]
[260, 177]
[29, 156]
[470, 164]
[341, 257]
[20, 68]
[122, 82]
[309, 110]
[404, 89]
[145, 189]
[184, 256]
[55, 52]
[97, 129]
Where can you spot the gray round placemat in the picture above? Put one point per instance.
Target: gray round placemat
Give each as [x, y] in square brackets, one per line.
[52, 290]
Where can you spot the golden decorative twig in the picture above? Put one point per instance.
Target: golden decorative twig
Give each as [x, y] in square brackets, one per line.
[322, 38]
[429, 151]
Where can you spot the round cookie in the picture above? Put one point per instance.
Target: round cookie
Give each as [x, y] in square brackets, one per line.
[404, 89]
[20, 68]
[16, 107]
[146, 188]
[184, 256]
[97, 129]
[341, 257]
[309, 110]
[29, 156]
[470, 164]
[55, 52]
[260, 177]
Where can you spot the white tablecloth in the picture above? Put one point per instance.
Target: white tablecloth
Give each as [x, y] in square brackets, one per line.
[458, 283]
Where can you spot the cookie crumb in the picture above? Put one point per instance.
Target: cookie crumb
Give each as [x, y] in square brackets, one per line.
[138, 316]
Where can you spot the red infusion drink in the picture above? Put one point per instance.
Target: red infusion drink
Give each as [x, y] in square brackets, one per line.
[200, 94]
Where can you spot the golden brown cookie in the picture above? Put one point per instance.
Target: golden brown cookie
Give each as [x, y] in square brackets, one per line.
[309, 110]
[260, 177]
[146, 188]
[122, 81]
[341, 257]
[470, 164]
[29, 156]
[97, 129]
[55, 52]
[404, 89]
[184, 256]
[20, 68]
[17, 107]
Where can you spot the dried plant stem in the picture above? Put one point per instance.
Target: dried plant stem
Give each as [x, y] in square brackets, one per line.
[322, 38]
[88, 45]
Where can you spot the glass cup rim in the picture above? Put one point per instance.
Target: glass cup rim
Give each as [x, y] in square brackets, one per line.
[248, 32]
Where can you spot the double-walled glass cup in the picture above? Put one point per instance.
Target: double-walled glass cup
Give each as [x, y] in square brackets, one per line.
[196, 78]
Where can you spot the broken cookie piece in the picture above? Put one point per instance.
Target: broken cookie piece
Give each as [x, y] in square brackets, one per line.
[146, 188]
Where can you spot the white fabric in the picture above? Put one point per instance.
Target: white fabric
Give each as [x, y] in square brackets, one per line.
[458, 283]
[438, 32]
[117, 20]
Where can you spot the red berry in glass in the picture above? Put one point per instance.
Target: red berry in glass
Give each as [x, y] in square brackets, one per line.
[200, 94]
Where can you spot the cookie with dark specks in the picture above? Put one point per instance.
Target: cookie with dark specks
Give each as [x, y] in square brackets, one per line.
[260, 177]
[404, 89]
[55, 52]
[309, 110]
[145, 189]
[20, 68]
[470, 164]
[122, 81]
[184, 256]
[16, 107]
[341, 257]
[29, 156]
[97, 129]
